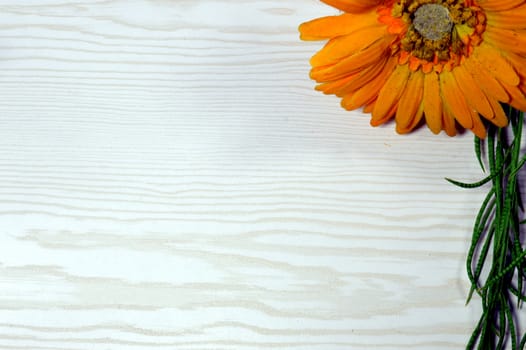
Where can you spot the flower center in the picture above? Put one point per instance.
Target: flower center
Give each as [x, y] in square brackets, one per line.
[433, 21]
[433, 34]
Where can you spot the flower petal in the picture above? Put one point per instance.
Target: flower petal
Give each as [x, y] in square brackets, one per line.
[500, 119]
[497, 65]
[334, 26]
[353, 6]
[416, 120]
[454, 100]
[517, 98]
[507, 40]
[450, 126]
[390, 113]
[432, 102]
[343, 46]
[363, 77]
[352, 63]
[369, 92]
[478, 128]
[410, 100]
[508, 19]
[368, 108]
[499, 5]
[390, 93]
[485, 80]
[518, 63]
[474, 95]
[336, 86]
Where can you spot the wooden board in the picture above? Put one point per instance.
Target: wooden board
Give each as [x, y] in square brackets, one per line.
[171, 180]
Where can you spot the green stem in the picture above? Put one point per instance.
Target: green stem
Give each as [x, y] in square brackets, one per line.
[498, 226]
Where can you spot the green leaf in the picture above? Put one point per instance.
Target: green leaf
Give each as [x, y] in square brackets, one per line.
[478, 152]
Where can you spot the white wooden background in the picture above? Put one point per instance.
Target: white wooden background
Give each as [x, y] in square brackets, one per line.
[171, 180]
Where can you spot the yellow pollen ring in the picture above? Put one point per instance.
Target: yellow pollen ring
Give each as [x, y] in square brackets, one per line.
[433, 21]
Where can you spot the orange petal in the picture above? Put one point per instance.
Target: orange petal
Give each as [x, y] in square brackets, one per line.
[517, 98]
[338, 48]
[410, 100]
[352, 63]
[416, 120]
[336, 86]
[485, 80]
[474, 95]
[390, 93]
[390, 113]
[454, 100]
[499, 5]
[333, 26]
[368, 108]
[364, 77]
[355, 6]
[414, 63]
[361, 97]
[507, 40]
[370, 91]
[518, 62]
[500, 119]
[498, 66]
[508, 19]
[432, 102]
[478, 128]
[448, 122]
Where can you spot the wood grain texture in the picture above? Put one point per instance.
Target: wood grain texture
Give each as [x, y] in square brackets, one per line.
[169, 179]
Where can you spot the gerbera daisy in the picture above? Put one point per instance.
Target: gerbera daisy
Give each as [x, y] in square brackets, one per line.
[447, 62]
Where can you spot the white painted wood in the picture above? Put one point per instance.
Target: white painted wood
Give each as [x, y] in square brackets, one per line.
[169, 179]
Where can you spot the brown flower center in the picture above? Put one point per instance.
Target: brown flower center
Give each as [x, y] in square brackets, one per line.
[432, 21]
[437, 30]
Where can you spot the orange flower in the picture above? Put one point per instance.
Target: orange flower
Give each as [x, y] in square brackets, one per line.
[446, 61]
